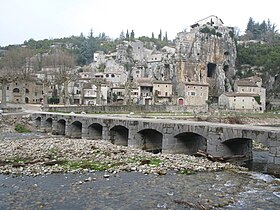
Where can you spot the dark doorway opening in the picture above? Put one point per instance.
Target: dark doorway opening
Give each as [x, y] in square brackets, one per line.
[211, 69]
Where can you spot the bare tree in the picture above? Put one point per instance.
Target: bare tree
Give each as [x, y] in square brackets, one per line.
[15, 66]
[60, 72]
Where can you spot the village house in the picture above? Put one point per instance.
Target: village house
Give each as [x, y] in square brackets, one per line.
[196, 94]
[92, 96]
[248, 95]
[27, 92]
[162, 91]
[211, 20]
[145, 87]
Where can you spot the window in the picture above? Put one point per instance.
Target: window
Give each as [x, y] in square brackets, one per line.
[112, 75]
[193, 93]
[16, 90]
[107, 75]
[8, 87]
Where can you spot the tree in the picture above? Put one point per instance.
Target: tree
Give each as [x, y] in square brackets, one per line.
[132, 35]
[165, 37]
[153, 36]
[127, 35]
[16, 65]
[122, 36]
[61, 72]
[160, 35]
[250, 25]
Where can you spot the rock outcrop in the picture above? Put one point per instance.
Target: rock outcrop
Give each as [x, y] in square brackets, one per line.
[206, 54]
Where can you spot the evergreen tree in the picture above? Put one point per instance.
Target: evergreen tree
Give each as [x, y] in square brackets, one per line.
[132, 35]
[165, 37]
[127, 35]
[160, 35]
[122, 37]
[153, 36]
[250, 25]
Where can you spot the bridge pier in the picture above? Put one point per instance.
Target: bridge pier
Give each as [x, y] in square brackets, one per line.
[274, 154]
[54, 127]
[85, 132]
[134, 139]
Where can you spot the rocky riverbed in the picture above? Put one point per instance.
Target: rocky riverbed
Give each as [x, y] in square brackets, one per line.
[48, 155]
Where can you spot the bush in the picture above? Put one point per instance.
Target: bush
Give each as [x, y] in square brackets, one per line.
[21, 129]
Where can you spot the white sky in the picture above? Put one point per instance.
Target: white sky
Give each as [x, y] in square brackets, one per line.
[21, 20]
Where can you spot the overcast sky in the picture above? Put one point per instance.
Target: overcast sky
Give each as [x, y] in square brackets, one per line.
[21, 20]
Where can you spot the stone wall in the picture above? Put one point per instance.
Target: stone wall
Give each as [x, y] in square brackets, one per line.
[127, 109]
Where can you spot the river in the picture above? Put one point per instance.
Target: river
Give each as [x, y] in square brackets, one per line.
[134, 190]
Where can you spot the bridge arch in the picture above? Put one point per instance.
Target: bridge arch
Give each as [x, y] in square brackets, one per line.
[95, 131]
[239, 147]
[49, 122]
[119, 135]
[38, 121]
[75, 129]
[61, 127]
[190, 143]
[150, 140]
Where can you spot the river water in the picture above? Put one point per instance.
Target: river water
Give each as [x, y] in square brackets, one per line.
[134, 190]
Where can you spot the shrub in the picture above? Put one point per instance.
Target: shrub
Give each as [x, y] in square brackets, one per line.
[21, 129]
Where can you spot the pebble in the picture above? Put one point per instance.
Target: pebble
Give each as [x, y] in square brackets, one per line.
[106, 176]
[43, 150]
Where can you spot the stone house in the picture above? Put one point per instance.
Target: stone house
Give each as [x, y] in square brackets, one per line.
[252, 85]
[117, 94]
[196, 94]
[248, 95]
[27, 92]
[162, 91]
[90, 94]
[239, 101]
[211, 20]
[145, 90]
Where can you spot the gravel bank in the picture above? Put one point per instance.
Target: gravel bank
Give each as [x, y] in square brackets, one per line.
[49, 155]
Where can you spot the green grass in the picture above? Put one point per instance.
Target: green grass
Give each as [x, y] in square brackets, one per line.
[21, 129]
[85, 164]
[186, 171]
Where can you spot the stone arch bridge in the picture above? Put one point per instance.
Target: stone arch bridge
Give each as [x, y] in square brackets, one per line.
[166, 135]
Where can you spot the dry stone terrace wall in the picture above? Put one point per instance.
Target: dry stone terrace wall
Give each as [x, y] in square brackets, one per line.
[165, 135]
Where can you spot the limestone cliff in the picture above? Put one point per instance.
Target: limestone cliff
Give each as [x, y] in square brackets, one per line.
[206, 54]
